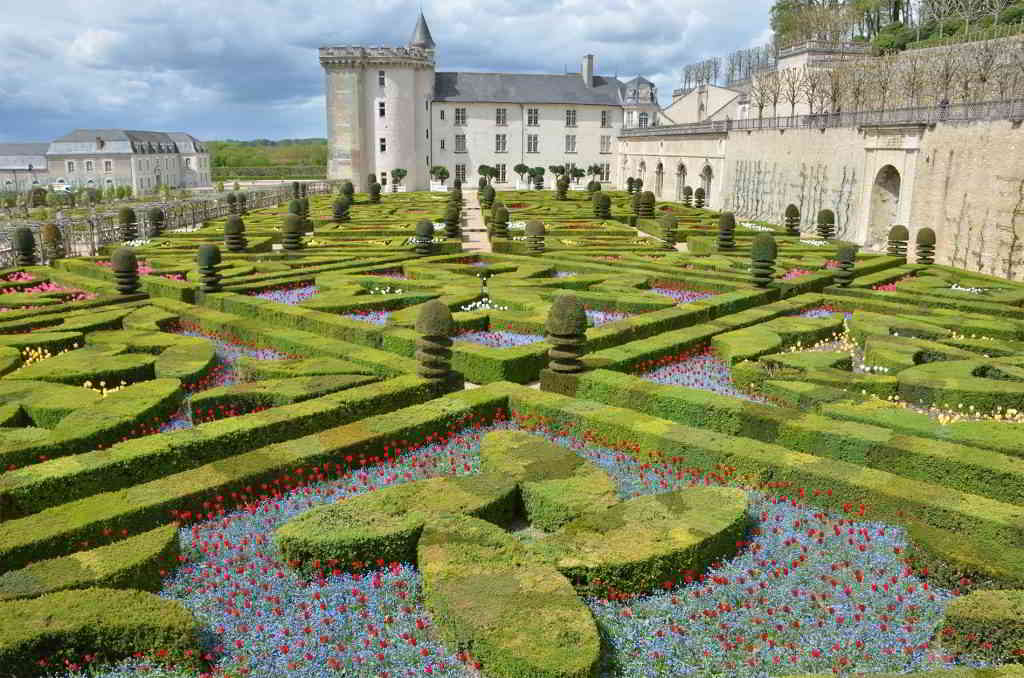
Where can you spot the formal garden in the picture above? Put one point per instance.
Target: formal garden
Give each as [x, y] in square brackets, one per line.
[627, 438]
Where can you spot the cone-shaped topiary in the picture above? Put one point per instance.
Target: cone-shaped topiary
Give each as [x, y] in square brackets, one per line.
[535, 236]
[602, 205]
[763, 251]
[25, 246]
[347, 189]
[126, 270]
[208, 259]
[567, 333]
[375, 192]
[127, 222]
[155, 215]
[341, 207]
[646, 205]
[846, 254]
[435, 325]
[898, 238]
[562, 188]
[499, 223]
[826, 224]
[424, 237]
[293, 228]
[234, 234]
[232, 203]
[726, 231]
[792, 220]
[925, 246]
[668, 224]
[452, 221]
[699, 197]
[688, 196]
[52, 242]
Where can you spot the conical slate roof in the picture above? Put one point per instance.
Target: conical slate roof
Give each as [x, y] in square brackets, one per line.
[421, 35]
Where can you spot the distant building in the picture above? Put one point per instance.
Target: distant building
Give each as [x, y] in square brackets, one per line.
[387, 108]
[101, 158]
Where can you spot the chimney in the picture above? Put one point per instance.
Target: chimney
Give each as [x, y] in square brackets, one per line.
[588, 70]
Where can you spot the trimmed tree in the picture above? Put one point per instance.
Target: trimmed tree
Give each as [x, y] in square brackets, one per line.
[347, 189]
[846, 254]
[293, 228]
[424, 237]
[726, 232]
[232, 201]
[635, 203]
[792, 220]
[763, 251]
[688, 196]
[646, 205]
[234, 234]
[452, 221]
[435, 325]
[499, 222]
[602, 205]
[535, 237]
[341, 207]
[487, 195]
[126, 270]
[208, 259]
[25, 246]
[826, 224]
[699, 198]
[898, 239]
[52, 242]
[562, 188]
[439, 173]
[925, 248]
[522, 170]
[567, 333]
[629, 185]
[155, 215]
[668, 224]
[128, 224]
[396, 177]
[538, 178]
[375, 193]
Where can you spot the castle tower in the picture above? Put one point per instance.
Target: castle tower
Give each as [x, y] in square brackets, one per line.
[378, 110]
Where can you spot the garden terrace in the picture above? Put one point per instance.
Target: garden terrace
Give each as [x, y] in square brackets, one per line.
[789, 478]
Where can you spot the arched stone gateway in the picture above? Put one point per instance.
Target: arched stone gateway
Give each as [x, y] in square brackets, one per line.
[884, 208]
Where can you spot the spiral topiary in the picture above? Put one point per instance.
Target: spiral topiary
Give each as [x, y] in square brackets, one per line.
[341, 208]
[487, 195]
[646, 205]
[763, 251]
[424, 237]
[668, 231]
[25, 246]
[234, 234]
[208, 259]
[826, 224]
[925, 248]
[126, 270]
[726, 231]
[128, 225]
[293, 228]
[52, 242]
[562, 188]
[792, 220]
[638, 184]
[452, 222]
[699, 197]
[688, 196]
[535, 237]
[602, 205]
[347, 189]
[898, 238]
[567, 333]
[846, 254]
[156, 218]
[375, 192]
[499, 223]
[435, 325]
[232, 200]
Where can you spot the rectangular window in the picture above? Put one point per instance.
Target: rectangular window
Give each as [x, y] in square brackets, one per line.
[380, 78]
[501, 116]
[643, 118]
[629, 118]
[570, 143]
[460, 116]
[606, 119]
[570, 117]
[460, 143]
[460, 173]
[533, 117]
[88, 165]
[383, 178]
[383, 145]
[188, 163]
[500, 143]
[606, 144]
[442, 144]
[606, 172]
[71, 165]
[501, 172]
[531, 143]
[108, 166]
[381, 109]
[442, 114]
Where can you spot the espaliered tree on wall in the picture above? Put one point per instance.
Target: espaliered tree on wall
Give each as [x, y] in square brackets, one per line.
[826, 224]
[847, 255]
[792, 220]
[763, 251]
[925, 249]
[898, 239]
[727, 232]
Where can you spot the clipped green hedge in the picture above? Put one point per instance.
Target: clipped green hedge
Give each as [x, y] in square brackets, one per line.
[271, 393]
[986, 624]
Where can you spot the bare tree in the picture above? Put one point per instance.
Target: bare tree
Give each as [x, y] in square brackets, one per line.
[813, 88]
[968, 10]
[759, 95]
[939, 11]
[912, 75]
[883, 73]
[943, 68]
[792, 81]
[857, 76]
[773, 89]
[835, 77]
[982, 60]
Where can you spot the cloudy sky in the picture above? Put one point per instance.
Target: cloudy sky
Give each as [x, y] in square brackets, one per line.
[250, 70]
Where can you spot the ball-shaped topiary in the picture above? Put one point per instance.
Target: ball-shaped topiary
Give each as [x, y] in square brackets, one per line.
[125, 267]
[925, 246]
[347, 189]
[763, 251]
[699, 197]
[234, 234]
[156, 219]
[535, 236]
[25, 246]
[792, 220]
[566, 332]
[293, 228]
[826, 224]
[602, 205]
[128, 223]
[424, 237]
[630, 184]
[898, 238]
[688, 196]
[726, 231]
[375, 192]
[669, 224]
[341, 208]
[638, 184]
[52, 242]
[846, 254]
[436, 326]
[646, 205]
[208, 259]
[499, 223]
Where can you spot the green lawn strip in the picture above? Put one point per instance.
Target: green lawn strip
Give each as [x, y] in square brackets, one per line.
[988, 625]
[10, 359]
[60, 529]
[889, 496]
[106, 365]
[959, 467]
[948, 557]
[133, 563]
[110, 623]
[40, 486]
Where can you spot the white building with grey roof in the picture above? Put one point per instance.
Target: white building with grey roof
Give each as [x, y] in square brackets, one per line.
[103, 158]
[388, 108]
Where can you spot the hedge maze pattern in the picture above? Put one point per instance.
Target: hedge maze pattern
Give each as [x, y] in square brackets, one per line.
[324, 439]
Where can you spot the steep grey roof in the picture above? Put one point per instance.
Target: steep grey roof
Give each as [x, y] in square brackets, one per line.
[18, 156]
[30, 148]
[119, 140]
[186, 142]
[421, 35]
[526, 88]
